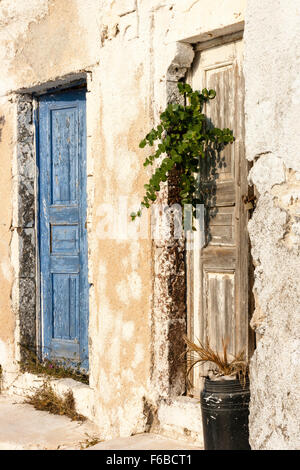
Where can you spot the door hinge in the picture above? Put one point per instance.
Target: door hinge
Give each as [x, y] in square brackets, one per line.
[249, 202]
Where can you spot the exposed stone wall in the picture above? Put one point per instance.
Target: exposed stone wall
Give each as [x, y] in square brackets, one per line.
[272, 64]
[23, 226]
[169, 296]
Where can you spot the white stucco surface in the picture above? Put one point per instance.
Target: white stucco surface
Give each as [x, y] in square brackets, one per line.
[272, 64]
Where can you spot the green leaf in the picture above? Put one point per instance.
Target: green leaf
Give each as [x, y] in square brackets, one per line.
[187, 140]
[180, 86]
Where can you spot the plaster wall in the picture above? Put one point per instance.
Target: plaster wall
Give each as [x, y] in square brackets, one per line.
[7, 319]
[272, 62]
[129, 54]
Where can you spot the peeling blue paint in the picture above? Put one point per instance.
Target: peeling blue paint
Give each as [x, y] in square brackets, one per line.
[62, 227]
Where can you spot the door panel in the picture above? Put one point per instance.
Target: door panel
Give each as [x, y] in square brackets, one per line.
[62, 216]
[218, 282]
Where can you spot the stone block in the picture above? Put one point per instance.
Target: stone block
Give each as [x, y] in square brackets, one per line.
[27, 312]
[27, 251]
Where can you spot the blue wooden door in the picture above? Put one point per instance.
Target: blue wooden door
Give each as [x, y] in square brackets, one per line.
[62, 227]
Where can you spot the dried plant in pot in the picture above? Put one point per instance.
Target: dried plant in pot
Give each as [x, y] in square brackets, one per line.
[224, 398]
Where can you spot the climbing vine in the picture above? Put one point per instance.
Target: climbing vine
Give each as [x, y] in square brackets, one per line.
[186, 137]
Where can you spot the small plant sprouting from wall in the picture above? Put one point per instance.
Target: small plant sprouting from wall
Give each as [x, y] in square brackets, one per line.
[186, 136]
[56, 369]
[45, 399]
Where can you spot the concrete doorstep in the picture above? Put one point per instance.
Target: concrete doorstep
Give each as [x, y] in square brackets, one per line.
[24, 428]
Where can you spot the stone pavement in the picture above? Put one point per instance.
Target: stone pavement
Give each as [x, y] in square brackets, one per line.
[24, 428]
[146, 441]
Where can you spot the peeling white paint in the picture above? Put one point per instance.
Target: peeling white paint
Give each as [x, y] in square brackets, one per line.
[139, 354]
[5, 269]
[122, 292]
[135, 285]
[128, 330]
[267, 172]
[3, 352]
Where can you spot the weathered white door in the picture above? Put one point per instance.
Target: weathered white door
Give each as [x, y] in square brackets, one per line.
[218, 273]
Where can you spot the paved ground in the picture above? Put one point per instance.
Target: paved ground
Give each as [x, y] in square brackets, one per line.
[143, 442]
[24, 428]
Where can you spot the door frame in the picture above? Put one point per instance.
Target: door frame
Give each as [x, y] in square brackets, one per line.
[243, 260]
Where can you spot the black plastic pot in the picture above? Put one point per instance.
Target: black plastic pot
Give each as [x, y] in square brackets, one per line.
[225, 411]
